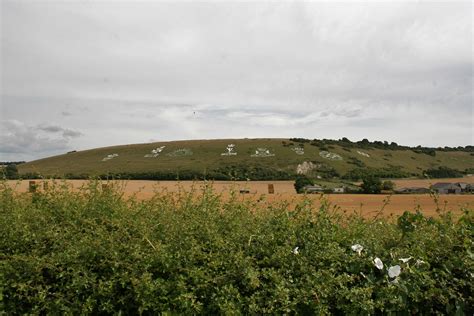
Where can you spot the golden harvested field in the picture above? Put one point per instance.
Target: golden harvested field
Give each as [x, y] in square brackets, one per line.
[284, 192]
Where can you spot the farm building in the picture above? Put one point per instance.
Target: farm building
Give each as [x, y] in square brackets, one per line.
[447, 188]
[463, 186]
[466, 187]
[469, 188]
[313, 189]
[339, 190]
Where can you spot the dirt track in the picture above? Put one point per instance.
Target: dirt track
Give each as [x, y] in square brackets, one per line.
[284, 191]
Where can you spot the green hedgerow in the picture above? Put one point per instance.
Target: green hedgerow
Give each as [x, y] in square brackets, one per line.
[96, 252]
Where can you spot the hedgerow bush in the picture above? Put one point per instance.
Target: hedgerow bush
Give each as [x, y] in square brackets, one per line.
[95, 252]
[443, 172]
[391, 172]
[234, 172]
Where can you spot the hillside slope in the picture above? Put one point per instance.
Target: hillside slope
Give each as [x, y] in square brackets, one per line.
[216, 157]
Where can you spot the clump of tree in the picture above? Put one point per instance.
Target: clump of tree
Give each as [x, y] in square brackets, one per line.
[365, 143]
[231, 172]
[443, 172]
[469, 171]
[424, 150]
[286, 144]
[324, 170]
[300, 140]
[10, 171]
[36, 175]
[371, 185]
[388, 172]
[388, 185]
[6, 163]
[355, 161]
[301, 182]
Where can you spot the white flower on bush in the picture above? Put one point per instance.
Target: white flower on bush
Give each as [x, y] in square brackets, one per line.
[357, 248]
[394, 271]
[419, 262]
[296, 251]
[378, 263]
[405, 260]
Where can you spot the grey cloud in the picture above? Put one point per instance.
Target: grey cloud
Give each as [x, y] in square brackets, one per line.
[290, 51]
[18, 138]
[58, 129]
[350, 112]
[22, 141]
[71, 133]
[289, 119]
[130, 71]
[50, 129]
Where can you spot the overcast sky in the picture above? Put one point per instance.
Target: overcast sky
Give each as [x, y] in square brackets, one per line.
[85, 74]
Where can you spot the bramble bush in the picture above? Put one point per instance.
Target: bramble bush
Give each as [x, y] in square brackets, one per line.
[96, 252]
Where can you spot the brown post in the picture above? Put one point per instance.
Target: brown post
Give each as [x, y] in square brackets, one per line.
[271, 189]
[45, 186]
[32, 187]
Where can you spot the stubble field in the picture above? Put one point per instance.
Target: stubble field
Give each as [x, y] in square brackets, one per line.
[284, 192]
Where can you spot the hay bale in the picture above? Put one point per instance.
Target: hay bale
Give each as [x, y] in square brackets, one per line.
[271, 188]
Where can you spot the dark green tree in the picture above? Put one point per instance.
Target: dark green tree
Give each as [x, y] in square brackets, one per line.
[388, 185]
[371, 185]
[443, 172]
[11, 171]
[302, 181]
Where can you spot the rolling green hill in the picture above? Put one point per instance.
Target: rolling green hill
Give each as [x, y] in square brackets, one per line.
[277, 159]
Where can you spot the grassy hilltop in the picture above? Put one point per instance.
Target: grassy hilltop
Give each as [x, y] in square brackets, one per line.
[204, 157]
